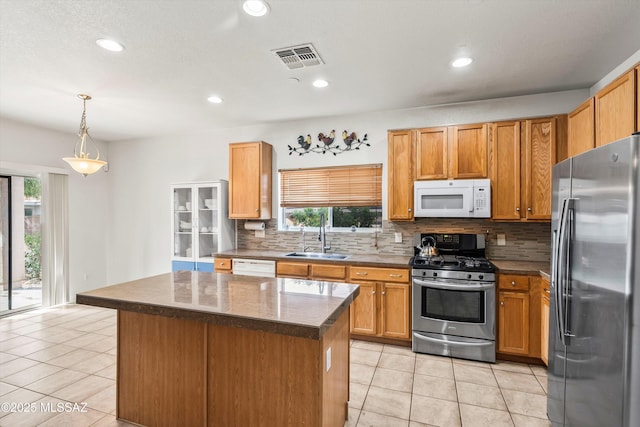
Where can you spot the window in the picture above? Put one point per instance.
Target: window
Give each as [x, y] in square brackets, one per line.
[350, 197]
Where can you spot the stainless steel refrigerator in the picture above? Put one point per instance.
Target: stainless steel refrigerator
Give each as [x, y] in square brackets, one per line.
[594, 332]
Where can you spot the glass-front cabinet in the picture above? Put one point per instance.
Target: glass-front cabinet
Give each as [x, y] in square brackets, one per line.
[200, 224]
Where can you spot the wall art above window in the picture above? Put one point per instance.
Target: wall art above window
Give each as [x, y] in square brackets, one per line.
[350, 141]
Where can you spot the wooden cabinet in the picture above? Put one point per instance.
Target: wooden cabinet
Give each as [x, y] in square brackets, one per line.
[400, 175]
[250, 180]
[469, 151]
[383, 307]
[522, 154]
[544, 321]
[364, 313]
[304, 270]
[615, 109]
[505, 170]
[432, 153]
[638, 98]
[458, 152]
[514, 326]
[581, 128]
[222, 265]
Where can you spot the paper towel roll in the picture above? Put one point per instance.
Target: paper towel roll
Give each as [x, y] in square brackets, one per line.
[255, 225]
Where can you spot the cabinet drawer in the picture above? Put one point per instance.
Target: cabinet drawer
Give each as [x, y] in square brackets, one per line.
[295, 269]
[222, 264]
[380, 274]
[513, 282]
[326, 271]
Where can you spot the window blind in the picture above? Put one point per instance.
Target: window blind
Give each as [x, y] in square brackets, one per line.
[359, 185]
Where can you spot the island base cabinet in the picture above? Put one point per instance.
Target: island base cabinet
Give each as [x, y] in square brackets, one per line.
[161, 370]
[180, 372]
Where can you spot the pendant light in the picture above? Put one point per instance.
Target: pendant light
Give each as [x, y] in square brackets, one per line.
[81, 161]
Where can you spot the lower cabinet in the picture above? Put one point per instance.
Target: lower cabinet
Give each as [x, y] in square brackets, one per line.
[523, 316]
[304, 270]
[544, 321]
[382, 309]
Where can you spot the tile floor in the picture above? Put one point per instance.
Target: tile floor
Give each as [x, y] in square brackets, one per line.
[53, 358]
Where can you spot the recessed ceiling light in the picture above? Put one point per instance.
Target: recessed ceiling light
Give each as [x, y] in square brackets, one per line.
[461, 62]
[255, 7]
[321, 83]
[111, 45]
[214, 99]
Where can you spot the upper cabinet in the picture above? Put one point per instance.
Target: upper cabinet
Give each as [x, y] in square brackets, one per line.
[522, 154]
[453, 152]
[400, 175]
[432, 153]
[581, 128]
[250, 180]
[469, 151]
[615, 109]
[504, 153]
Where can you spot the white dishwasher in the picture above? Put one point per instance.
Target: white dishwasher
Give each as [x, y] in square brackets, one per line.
[254, 267]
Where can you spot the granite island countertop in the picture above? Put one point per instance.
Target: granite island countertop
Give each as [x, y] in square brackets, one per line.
[374, 260]
[296, 307]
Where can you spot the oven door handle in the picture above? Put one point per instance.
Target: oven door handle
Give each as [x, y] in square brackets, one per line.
[449, 342]
[453, 286]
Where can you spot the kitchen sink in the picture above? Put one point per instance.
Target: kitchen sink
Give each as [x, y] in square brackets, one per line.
[315, 255]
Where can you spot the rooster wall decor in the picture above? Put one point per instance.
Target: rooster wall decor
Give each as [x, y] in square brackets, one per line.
[350, 140]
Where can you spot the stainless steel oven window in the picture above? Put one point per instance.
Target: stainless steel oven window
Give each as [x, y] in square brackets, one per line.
[453, 305]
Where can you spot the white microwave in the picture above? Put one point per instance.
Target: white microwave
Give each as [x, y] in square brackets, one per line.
[461, 198]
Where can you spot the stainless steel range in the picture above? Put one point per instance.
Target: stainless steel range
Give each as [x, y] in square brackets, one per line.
[454, 294]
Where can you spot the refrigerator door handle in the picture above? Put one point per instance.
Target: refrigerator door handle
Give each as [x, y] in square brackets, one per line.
[555, 268]
[563, 269]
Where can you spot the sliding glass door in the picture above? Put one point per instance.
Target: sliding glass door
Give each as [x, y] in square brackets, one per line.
[20, 243]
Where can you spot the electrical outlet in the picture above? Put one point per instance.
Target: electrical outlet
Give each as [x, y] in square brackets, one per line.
[398, 237]
[260, 234]
[502, 240]
[328, 359]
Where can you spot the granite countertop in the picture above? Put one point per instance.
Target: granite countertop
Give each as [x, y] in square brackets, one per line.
[375, 260]
[302, 308]
[523, 267]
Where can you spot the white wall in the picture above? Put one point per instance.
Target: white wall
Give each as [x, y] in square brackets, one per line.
[142, 170]
[615, 73]
[40, 149]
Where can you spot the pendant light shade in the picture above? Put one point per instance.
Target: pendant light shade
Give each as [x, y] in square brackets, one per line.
[81, 161]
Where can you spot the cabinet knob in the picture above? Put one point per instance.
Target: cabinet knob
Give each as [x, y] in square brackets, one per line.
[222, 263]
[395, 275]
[361, 273]
[409, 210]
[517, 209]
[258, 210]
[501, 302]
[529, 209]
[383, 292]
[547, 290]
[373, 292]
[513, 283]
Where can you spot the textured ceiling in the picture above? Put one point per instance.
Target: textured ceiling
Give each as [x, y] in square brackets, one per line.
[378, 54]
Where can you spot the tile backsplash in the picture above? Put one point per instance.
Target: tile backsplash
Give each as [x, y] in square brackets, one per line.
[524, 241]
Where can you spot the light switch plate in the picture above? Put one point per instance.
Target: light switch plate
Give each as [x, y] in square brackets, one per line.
[398, 237]
[502, 240]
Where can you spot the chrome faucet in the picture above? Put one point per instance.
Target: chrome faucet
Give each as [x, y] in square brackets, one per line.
[322, 236]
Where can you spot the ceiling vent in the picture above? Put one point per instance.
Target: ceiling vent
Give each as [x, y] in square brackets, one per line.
[304, 55]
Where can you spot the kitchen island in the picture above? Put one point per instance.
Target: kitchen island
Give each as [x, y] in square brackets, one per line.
[217, 349]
